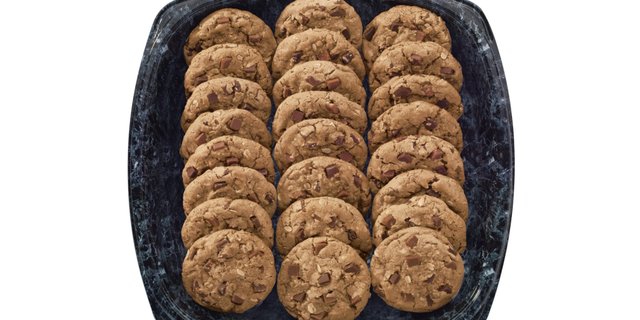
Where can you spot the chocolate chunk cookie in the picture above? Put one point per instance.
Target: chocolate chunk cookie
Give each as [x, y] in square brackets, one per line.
[229, 151]
[335, 15]
[233, 183]
[318, 104]
[316, 44]
[407, 185]
[232, 122]
[323, 278]
[414, 152]
[416, 270]
[422, 211]
[229, 271]
[320, 76]
[324, 216]
[401, 24]
[320, 137]
[226, 93]
[231, 26]
[324, 176]
[415, 118]
[227, 60]
[415, 87]
[415, 58]
[224, 213]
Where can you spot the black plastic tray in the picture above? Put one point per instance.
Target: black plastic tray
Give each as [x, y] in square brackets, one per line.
[155, 186]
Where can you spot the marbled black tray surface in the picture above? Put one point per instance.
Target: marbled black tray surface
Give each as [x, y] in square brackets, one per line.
[155, 186]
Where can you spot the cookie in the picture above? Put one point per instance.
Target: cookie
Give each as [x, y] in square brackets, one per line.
[320, 137]
[320, 76]
[414, 152]
[422, 211]
[224, 213]
[415, 58]
[232, 122]
[231, 26]
[335, 15]
[324, 216]
[227, 60]
[316, 44]
[401, 24]
[323, 278]
[229, 271]
[226, 93]
[324, 176]
[416, 270]
[407, 185]
[229, 151]
[318, 104]
[415, 87]
[233, 183]
[415, 118]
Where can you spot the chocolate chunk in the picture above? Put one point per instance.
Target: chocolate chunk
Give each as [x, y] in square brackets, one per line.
[319, 246]
[324, 279]
[201, 79]
[324, 56]
[430, 279]
[407, 297]
[223, 20]
[420, 35]
[300, 235]
[269, 198]
[294, 270]
[447, 71]
[337, 12]
[352, 235]
[411, 242]
[345, 156]
[331, 170]
[394, 278]
[286, 91]
[437, 222]
[451, 265]
[395, 73]
[332, 108]
[347, 57]
[222, 288]
[441, 170]
[389, 174]
[225, 62]
[436, 154]
[405, 157]
[427, 91]
[258, 287]
[296, 56]
[333, 84]
[329, 299]
[246, 106]
[232, 161]
[388, 221]
[355, 139]
[255, 222]
[433, 193]
[213, 99]
[354, 300]
[213, 222]
[250, 69]
[237, 300]
[219, 184]
[236, 86]
[357, 181]
[368, 33]
[255, 38]
[192, 172]
[299, 297]
[430, 124]
[445, 288]
[201, 138]
[413, 261]
[235, 124]
[395, 26]
[339, 141]
[297, 116]
[305, 20]
[402, 92]
[429, 301]
[443, 103]
[346, 34]
[352, 268]
[415, 59]
[313, 81]
[221, 243]
[333, 222]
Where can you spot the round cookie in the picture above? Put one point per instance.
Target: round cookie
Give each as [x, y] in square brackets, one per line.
[226, 93]
[229, 271]
[320, 76]
[415, 87]
[324, 176]
[318, 104]
[416, 270]
[415, 118]
[323, 278]
[401, 24]
[316, 44]
[422, 211]
[223, 213]
[231, 26]
[232, 122]
[320, 137]
[415, 58]
[227, 60]
[407, 185]
[229, 151]
[324, 216]
[414, 152]
[335, 15]
[233, 183]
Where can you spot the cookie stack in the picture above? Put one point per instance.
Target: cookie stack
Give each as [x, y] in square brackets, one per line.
[420, 209]
[323, 193]
[229, 174]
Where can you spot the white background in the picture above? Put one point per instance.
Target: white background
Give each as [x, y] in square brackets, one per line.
[67, 75]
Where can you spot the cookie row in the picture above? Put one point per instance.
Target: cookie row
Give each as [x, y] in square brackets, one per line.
[229, 196]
